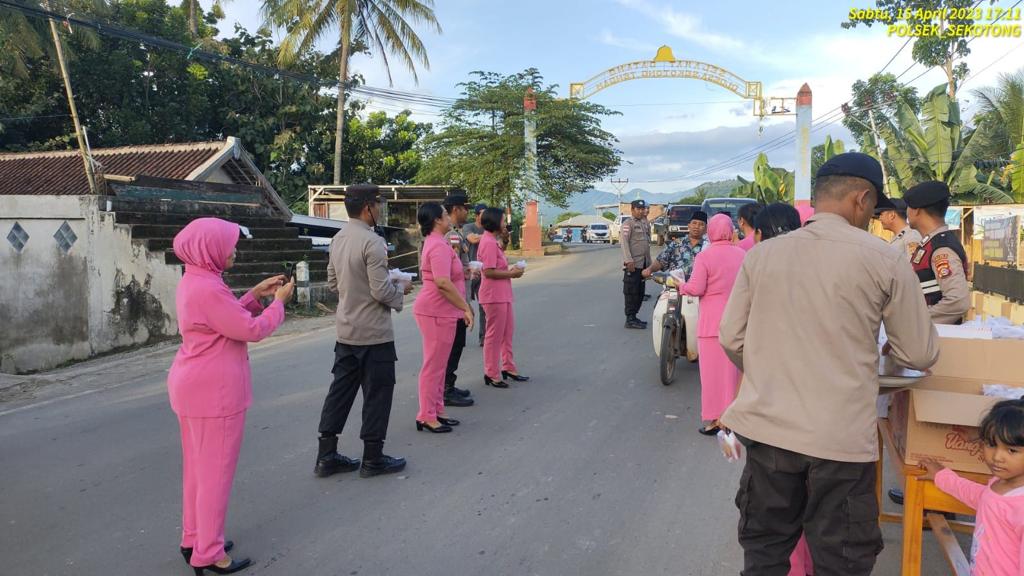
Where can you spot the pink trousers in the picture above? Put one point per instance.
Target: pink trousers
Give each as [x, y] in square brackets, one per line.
[719, 378]
[209, 448]
[438, 336]
[800, 563]
[501, 325]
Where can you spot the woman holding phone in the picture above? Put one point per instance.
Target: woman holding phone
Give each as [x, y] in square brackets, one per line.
[210, 385]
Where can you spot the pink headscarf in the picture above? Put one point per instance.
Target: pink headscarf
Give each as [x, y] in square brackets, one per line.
[206, 243]
[805, 211]
[720, 228]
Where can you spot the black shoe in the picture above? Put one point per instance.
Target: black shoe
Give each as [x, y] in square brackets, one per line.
[382, 465]
[329, 462]
[186, 553]
[439, 429]
[459, 391]
[515, 377]
[896, 495]
[452, 399]
[235, 566]
[708, 431]
[448, 421]
[634, 324]
[494, 383]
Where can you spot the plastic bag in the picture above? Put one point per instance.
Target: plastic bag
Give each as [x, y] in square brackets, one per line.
[396, 275]
[730, 445]
[1002, 391]
[521, 264]
[476, 265]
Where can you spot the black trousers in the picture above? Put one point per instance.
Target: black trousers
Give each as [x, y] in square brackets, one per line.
[833, 504]
[372, 369]
[481, 318]
[456, 355]
[633, 290]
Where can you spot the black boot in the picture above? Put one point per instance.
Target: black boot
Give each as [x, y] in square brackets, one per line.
[635, 323]
[376, 463]
[329, 462]
[453, 398]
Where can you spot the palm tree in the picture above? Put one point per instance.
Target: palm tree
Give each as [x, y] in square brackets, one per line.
[382, 25]
[24, 38]
[1002, 114]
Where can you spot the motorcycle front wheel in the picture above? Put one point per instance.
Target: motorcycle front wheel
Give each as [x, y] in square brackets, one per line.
[667, 359]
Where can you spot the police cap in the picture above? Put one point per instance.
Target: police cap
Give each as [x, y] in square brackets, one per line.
[363, 192]
[858, 165]
[638, 203]
[926, 194]
[700, 215]
[898, 205]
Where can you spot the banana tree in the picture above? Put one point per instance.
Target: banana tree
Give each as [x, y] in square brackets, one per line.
[769, 184]
[936, 147]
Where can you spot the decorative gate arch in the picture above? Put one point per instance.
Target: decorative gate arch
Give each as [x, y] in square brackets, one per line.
[665, 65]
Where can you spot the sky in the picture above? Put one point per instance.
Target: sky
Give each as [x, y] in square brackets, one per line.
[671, 131]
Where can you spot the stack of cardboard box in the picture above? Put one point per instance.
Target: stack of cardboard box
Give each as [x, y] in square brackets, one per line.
[938, 416]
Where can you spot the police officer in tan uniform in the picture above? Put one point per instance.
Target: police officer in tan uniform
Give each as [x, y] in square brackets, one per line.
[895, 220]
[940, 261]
[635, 238]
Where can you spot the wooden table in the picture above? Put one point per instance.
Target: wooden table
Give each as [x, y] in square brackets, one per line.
[918, 495]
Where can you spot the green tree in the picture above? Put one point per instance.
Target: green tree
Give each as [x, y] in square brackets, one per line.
[24, 38]
[381, 25]
[481, 144]
[940, 50]
[769, 184]
[878, 96]
[824, 151]
[566, 216]
[937, 147]
[1001, 121]
[383, 149]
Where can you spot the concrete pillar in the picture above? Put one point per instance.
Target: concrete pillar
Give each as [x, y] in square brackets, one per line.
[802, 193]
[531, 242]
[302, 284]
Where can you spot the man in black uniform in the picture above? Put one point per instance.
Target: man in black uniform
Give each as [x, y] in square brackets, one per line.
[635, 238]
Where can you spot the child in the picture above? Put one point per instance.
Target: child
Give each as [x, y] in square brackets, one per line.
[999, 528]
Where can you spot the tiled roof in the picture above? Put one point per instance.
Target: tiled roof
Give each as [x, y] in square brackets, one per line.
[62, 172]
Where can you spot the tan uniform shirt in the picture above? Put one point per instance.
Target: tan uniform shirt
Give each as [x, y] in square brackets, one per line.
[908, 239]
[635, 238]
[358, 272]
[802, 323]
[956, 292]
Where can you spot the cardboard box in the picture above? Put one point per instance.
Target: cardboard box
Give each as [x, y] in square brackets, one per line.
[939, 415]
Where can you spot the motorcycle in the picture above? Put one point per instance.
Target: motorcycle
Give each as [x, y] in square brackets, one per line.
[674, 324]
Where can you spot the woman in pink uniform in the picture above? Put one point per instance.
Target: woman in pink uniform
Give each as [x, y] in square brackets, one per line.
[438, 308]
[714, 272]
[496, 298]
[210, 385]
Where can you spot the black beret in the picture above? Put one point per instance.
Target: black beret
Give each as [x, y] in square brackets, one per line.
[456, 199]
[858, 165]
[700, 215]
[638, 203]
[478, 208]
[897, 204]
[926, 194]
[364, 192]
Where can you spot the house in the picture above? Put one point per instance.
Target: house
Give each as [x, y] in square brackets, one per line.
[88, 273]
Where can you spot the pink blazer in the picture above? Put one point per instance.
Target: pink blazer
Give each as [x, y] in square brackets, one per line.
[714, 273]
[210, 375]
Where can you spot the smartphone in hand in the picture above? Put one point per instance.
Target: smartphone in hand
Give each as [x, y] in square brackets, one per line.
[289, 273]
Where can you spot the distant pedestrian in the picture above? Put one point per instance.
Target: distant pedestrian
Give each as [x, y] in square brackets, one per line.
[714, 272]
[441, 304]
[496, 298]
[745, 218]
[364, 354]
[209, 383]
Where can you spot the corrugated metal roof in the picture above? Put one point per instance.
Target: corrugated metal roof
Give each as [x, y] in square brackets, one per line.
[62, 172]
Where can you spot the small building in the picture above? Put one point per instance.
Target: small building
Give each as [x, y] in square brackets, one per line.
[88, 273]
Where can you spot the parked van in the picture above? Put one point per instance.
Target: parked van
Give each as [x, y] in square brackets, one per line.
[598, 232]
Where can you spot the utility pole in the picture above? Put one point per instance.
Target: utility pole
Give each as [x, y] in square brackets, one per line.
[802, 193]
[620, 185]
[878, 149]
[89, 175]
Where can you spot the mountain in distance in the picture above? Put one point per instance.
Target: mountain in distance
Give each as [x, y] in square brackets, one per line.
[584, 203]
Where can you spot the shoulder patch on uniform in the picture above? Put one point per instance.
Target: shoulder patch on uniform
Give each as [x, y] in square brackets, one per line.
[918, 255]
[940, 263]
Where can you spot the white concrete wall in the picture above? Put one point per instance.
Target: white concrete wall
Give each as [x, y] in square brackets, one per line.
[105, 293]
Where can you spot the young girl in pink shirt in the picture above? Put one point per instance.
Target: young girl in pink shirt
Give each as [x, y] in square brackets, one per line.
[998, 547]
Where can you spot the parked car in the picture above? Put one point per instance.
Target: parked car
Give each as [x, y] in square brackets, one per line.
[679, 216]
[616, 228]
[598, 232]
[730, 206]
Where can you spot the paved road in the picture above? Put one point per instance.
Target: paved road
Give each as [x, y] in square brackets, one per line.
[592, 468]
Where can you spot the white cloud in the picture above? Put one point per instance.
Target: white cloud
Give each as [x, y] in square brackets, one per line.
[627, 43]
[684, 25]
